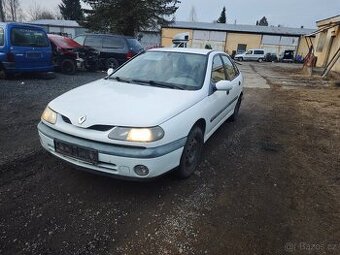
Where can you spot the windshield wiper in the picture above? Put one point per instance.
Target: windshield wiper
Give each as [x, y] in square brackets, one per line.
[117, 78]
[159, 84]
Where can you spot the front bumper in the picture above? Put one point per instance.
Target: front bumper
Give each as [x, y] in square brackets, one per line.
[117, 160]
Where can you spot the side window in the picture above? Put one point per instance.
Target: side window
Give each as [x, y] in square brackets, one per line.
[258, 52]
[230, 69]
[93, 41]
[217, 73]
[113, 42]
[2, 38]
[80, 39]
[249, 52]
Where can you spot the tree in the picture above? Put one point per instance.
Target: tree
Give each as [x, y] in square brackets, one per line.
[222, 18]
[71, 10]
[128, 17]
[13, 8]
[2, 11]
[262, 22]
[36, 12]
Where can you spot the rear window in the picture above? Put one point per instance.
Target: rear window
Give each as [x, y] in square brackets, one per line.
[134, 45]
[258, 52]
[2, 39]
[113, 42]
[28, 37]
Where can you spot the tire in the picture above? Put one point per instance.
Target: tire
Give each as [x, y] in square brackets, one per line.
[240, 59]
[192, 153]
[91, 66]
[68, 66]
[260, 60]
[234, 116]
[111, 63]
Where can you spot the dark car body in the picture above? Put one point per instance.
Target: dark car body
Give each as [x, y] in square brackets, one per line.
[287, 56]
[68, 55]
[114, 50]
[24, 48]
[270, 57]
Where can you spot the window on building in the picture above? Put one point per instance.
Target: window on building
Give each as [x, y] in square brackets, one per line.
[241, 48]
[322, 41]
[217, 73]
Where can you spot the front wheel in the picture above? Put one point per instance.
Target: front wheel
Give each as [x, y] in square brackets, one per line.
[68, 66]
[192, 153]
[260, 60]
[111, 63]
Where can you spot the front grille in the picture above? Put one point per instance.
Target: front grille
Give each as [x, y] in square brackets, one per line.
[101, 127]
[67, 120]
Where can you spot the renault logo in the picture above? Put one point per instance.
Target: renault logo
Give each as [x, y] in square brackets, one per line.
[82, 119]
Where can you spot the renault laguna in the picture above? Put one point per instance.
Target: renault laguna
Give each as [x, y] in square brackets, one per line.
[150, 116]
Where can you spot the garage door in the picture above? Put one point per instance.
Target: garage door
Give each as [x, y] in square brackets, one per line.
[202, 37]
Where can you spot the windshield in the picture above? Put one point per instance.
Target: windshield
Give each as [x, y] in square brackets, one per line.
[165, 69]
[28, 37]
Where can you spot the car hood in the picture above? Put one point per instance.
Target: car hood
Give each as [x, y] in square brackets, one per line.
[108, 102]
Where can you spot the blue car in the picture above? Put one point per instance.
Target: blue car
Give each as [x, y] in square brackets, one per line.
[24, 48]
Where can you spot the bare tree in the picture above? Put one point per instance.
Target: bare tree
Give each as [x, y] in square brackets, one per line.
[36, 12]
[12, 8]
[2, 11]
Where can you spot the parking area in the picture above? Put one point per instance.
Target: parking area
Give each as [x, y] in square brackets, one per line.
[268, 183]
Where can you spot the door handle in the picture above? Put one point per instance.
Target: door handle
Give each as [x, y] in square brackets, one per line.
[239, 83]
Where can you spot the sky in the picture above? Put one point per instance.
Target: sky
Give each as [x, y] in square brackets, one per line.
[289, 13]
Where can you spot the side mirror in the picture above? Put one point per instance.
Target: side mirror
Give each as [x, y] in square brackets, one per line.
[224, 85]
[110, 71]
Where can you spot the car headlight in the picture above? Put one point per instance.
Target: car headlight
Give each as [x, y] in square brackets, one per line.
[137, 134]
[49, 115]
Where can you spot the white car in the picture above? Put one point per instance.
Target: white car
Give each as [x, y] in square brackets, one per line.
[251, 55]
[150, 116]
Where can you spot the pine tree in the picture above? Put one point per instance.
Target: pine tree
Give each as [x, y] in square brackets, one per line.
[222, 18]
[262, 22]
[71, 10]
[128, 17]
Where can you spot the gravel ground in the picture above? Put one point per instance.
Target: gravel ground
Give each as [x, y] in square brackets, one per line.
[268, 183]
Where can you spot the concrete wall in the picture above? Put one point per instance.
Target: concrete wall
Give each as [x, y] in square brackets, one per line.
[327, 43]
[169, 33]
[229, 41]
[303, 47]
[233, 39]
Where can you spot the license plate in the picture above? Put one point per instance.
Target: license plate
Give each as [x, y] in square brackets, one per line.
[75, 151]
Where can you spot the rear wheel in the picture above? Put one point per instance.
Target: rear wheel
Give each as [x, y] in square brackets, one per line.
[68, 66]
[192, 153]
[260, 60]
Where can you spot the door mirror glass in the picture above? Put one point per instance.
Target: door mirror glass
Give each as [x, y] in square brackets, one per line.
[224, 85]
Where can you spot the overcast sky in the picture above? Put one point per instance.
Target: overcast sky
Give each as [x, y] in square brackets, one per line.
[290, 13]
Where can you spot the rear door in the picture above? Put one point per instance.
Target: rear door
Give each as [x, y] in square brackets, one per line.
[30, 48]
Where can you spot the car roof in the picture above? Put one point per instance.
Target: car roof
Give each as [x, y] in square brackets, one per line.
[184, 50]
[122, 36]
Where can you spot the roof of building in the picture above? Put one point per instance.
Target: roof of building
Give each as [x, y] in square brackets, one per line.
[241, 28]
[329, 18]
[56, 22]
